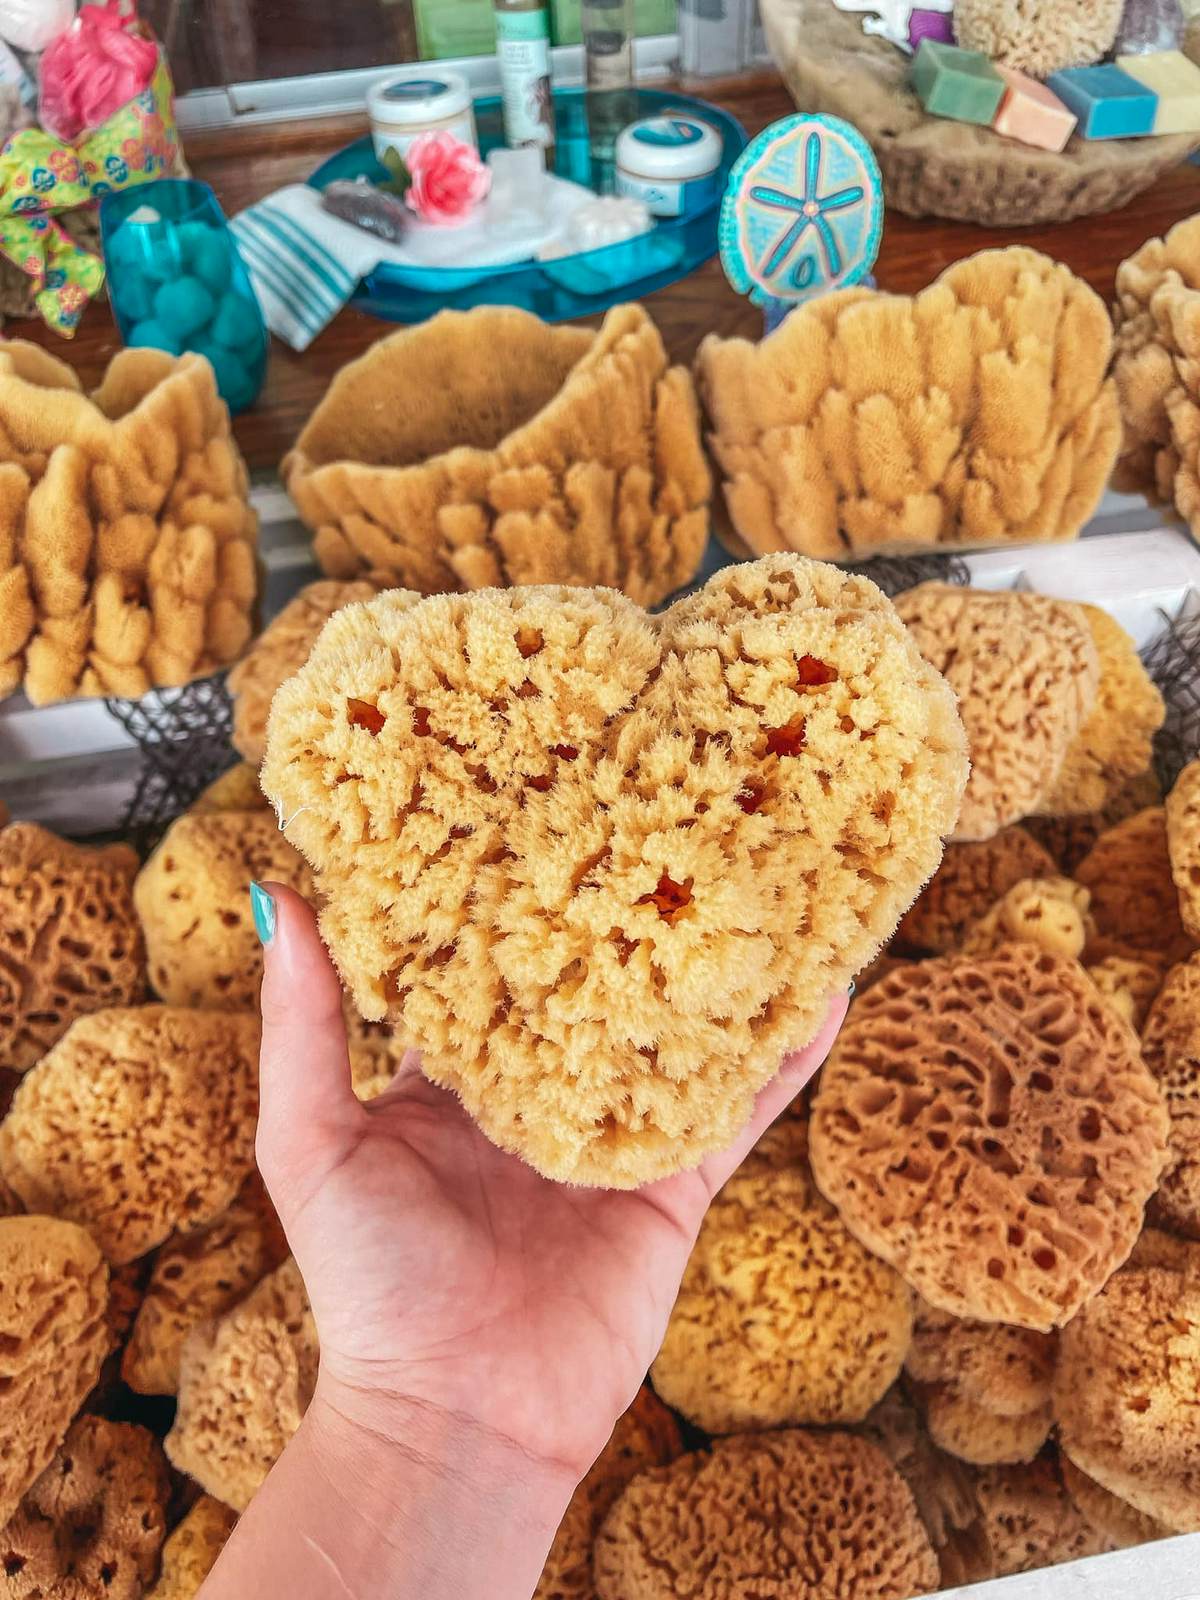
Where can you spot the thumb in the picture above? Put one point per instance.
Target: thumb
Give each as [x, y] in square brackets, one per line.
[307, 1106]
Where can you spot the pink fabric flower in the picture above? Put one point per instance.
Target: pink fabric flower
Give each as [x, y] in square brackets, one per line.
[101, 63]
[448, 179]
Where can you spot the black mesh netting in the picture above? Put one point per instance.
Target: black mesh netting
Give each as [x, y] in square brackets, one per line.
[1173, 661]
[895, 574]
[184, 739]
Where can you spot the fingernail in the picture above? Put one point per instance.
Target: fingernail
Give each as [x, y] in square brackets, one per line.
[851, 991]
[263, 908]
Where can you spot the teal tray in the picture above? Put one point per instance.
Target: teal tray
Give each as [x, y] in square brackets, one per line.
[573, 286]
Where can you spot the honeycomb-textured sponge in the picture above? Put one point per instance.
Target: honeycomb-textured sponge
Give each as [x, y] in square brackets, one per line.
[69, 934]
[1049, 913]
[1031, 1520]
[1026, 673]
[647, 1435]
[1116, 742]
[1128, 871]
[191, 1552]
[979, 412]
[53, 1341]
[1069, 839]
[193, 900]
[139, 1123]
[92, 1525]
[989, 1127]
[1125, 1393]
[127, 544]
[793, 1515]
[941, 1488]
[971, 878]
[604, 868]
[1039, 37]
[197, 1276]
[782, 1318]
[488, 449]
[245, 1383]
[1183, 845]
[235, 790]
[1171, 1045]
[280, 650]
[1115, 1521]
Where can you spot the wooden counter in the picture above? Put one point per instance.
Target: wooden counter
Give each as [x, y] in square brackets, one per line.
[245, 164]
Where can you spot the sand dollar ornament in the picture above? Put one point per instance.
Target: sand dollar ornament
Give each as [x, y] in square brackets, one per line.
[802, 214]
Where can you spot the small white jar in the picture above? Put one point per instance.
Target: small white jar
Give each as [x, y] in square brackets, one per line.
[670, 163]
[402, 108]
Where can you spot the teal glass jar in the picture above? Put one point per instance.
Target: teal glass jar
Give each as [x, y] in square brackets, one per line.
[176, 282]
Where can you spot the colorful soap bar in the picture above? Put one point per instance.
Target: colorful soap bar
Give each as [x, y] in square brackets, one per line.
[1032, 114]
[960, 84]
[1108, 102]
[1176, 82]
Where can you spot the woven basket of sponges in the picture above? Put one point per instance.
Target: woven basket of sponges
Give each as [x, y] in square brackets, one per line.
[978, 412]
[487, 449]
[128, 549]
[933, 167]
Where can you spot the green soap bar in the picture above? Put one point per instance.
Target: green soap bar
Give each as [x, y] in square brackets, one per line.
[960, 84]
[154, 336]
[184, 305]
[236, 323]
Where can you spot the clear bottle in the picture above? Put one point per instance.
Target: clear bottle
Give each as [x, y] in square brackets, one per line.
[523, 54]
[608, 30]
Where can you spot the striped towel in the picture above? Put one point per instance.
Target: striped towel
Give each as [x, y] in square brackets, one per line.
[305, 263]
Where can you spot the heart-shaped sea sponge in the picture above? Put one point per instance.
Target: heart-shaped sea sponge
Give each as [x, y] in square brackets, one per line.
[603, 868]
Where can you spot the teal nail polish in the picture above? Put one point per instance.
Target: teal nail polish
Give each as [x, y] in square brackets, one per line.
[851, 991]
[263, 908]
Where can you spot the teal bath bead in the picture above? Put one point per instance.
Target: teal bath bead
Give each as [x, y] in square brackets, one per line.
[207, 253]
[133, 295]
[185, 305]
[236, 323]
[230, 373]
[152, 334]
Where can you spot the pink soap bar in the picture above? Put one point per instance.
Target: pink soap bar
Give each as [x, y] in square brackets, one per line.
[1032, 113]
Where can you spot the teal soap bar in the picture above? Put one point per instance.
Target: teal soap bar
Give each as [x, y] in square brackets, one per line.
[960, 84]
[1108, 102]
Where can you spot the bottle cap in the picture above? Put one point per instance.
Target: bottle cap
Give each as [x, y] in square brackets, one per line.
[414, 100]
[670, 146]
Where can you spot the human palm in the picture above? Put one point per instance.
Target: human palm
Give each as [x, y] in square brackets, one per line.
[442, 1270]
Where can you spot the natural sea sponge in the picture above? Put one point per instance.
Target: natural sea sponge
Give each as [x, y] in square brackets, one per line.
[1129, 982]
[488, 449]
[1117, 1523]
[1125, 1394]
[1183, 845]
[53, 1341]
[971, 878]
[1025, 670]
[988, 1126]
[92, 1525]
[1048, 913]
[1171, 1045]
[245, 1384]
[1008, 1370]
[1031, 1520]
[969, 1431]
[603, 869]
[1039, 37]
[138, 1123]
[806, 1516]
[191, 1552]
[977, 413]
[1070, 839]
[1128, 872]
[193, 900]
[235, 790]
[782, 1317]
[1116, 743]
[69, 934]
[127, 544]
[196, 1276]
[280, 650]
[647, 1435]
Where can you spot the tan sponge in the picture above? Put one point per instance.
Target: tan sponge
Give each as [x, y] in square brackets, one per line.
[971, 878]
[53, 1341]
[1171, 1044]
[989, 1127]
[813, 1516]
[782, 1317]
[139, 1123]
[1026, 672]
[1134, 900]
[605, 868]
[1183, 845]
[69, 934]
[191, 1552]
[487, 449]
